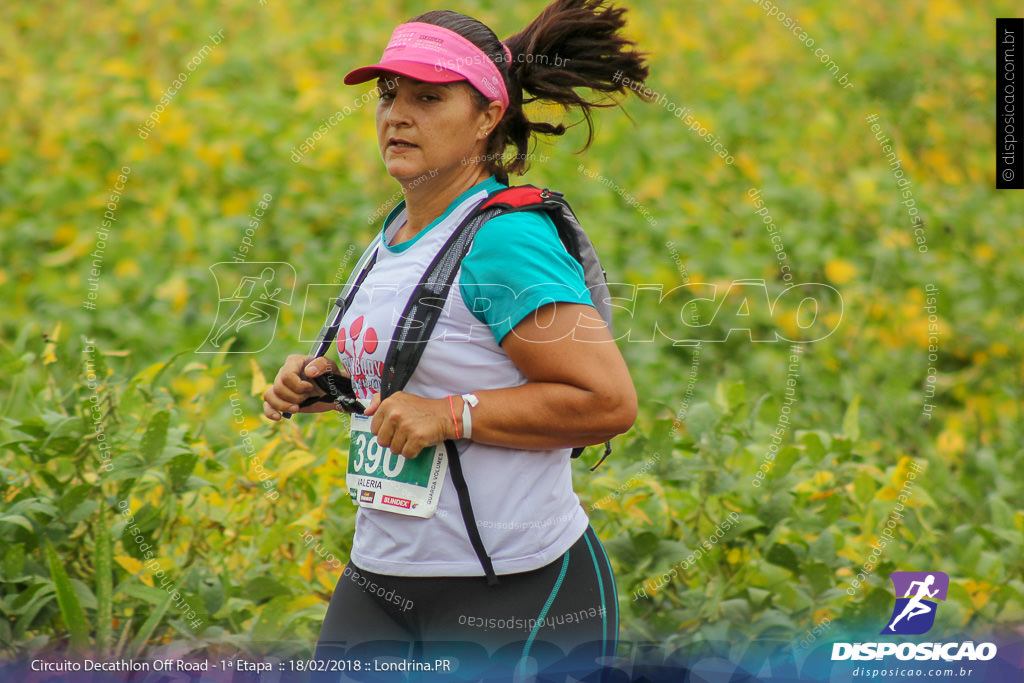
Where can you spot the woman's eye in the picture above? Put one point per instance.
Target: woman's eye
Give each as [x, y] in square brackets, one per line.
[387, 96]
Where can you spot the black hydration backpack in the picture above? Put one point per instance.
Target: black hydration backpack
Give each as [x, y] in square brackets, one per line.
[427, 302]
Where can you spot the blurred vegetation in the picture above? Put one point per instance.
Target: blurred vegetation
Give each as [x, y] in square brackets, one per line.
[79, 79]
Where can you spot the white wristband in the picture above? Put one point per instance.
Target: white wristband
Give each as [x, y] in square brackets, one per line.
[468, 400]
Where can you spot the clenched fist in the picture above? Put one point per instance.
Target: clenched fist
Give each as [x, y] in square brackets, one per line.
[292, 386]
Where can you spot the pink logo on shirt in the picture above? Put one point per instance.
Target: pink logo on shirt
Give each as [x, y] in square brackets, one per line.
[364, 340]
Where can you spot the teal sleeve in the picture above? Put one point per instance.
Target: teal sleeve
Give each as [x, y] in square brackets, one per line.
[517, 264]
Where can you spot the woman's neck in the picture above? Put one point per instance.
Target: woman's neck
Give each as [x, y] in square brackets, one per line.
[426, 201]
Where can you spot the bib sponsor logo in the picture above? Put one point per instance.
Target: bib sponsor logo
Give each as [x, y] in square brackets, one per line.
[367, 496]
[397, 502]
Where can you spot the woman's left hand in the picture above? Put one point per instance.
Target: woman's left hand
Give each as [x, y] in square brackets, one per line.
[407, 424]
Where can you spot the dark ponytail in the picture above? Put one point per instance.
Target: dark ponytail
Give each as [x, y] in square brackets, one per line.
[573, 44]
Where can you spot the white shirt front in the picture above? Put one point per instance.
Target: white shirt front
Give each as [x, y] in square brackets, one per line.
[526, 510]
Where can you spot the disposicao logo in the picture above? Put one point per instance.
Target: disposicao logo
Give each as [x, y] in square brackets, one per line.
[917, 599]
[916, 595]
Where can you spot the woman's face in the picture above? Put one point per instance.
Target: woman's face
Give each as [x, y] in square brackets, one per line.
[430, 129]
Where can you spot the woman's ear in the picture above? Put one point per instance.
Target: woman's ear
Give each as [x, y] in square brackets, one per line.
[491, 117]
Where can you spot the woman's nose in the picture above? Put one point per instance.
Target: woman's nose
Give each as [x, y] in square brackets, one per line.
[397, 111]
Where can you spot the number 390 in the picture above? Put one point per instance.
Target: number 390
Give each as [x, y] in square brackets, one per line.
[370, 455]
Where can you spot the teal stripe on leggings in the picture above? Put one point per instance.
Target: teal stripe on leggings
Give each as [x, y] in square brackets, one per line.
[615, 592]
[547, 605]
[600, 586]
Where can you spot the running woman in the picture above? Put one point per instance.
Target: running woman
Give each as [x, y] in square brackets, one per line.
[519, 369]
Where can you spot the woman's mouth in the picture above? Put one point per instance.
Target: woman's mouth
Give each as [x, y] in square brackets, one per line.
[398, 144]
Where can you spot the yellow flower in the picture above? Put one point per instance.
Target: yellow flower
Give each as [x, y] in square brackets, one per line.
[840, 271]
[950, 444]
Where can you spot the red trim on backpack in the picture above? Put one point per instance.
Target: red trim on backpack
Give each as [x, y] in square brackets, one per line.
[516, 197]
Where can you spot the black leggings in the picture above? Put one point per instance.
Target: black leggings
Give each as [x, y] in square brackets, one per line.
[564, 614]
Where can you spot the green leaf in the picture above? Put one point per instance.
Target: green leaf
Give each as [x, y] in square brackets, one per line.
[34, 600]
[1002, 513]
[660, 439]
[823, 547]
[119, 647]
[645, 543]
[756, 410]
[81, 512]
[736, 395]
[18, 520]
[773, 619]
[851, 426]
[971, 554]
[864, 487]
[818, 575]
[70, 607]
[155, 438]
[263, 588]
[700, 420]
[74, 497]
[776, 508]
[146, 630]
[758, 596]
[103, 560]
[813, 445]
[879, 601]
[832, 511]
[271, 620]
[784, 461]
[86, 598]
[179, 469]
[744, 524]
[14, 561]
[211, 592]
[150, 594]
[165, 368]
[783, 556]
[957, 593]
[736, 610]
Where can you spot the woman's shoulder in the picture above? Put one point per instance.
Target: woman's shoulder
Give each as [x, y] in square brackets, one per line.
[517, 225]
[518, 242]
[517, 237]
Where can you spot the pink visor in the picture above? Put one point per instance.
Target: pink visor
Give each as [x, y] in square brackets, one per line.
[433, 54]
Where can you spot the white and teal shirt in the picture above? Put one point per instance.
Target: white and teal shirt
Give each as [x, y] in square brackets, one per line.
[526, 510]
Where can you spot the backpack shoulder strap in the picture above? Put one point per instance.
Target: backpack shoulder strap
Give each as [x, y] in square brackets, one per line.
[410, 339]
[424, 307]
[518, 197]
[426, 304]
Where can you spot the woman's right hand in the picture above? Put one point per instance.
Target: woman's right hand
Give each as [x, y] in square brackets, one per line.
[292, 386]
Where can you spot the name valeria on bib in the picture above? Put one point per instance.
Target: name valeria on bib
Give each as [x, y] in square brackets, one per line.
[381, 480]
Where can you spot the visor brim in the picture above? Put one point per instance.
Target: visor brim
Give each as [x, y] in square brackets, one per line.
[428, 73]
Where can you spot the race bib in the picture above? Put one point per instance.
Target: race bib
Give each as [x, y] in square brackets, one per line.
[381, 480]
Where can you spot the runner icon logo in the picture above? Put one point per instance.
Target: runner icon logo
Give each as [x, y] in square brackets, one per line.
[917, 595]
[249, 301]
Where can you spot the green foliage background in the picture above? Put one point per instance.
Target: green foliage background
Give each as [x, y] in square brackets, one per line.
[78, 79]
